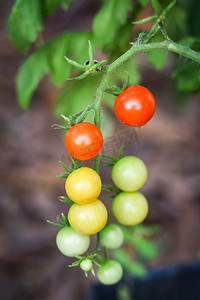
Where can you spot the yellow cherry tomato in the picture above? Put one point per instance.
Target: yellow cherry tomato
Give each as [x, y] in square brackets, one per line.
[83, 185]
[88, 218]
[130, 208]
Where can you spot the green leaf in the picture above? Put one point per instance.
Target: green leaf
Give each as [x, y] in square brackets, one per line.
[157, 58]
[49, 6]
[136, 268]
[146, 248]
[24, 23]
[109, 19]
[144, 2]
[29, 75]
[49, 59]
[77, 96]
[187, 77]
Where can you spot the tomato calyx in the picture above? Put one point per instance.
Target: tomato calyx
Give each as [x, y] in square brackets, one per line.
[86, 263]
[61, 222]
[74, 166]
[111, 160]
[91, 66]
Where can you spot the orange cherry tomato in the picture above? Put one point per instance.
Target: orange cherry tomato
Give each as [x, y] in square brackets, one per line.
[84, 141]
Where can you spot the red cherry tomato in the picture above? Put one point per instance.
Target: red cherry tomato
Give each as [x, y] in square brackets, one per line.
[135, 106]
[83, 141]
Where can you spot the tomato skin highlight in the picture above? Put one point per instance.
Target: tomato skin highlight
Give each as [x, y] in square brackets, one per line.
[83, 141]
[83, 185]
[129, 173]
[110, 273]
[88, 218]
[135, 106]
[71, 243]
[111, 236]
[130, 208]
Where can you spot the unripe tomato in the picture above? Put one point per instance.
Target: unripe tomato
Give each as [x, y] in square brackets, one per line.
[111, 236]
[130, 208]
[129, 174]
[135, 106]
[110, 273]
[88, 218]
[83, 141]
[83, 185]
[86, 265]
[71, 242]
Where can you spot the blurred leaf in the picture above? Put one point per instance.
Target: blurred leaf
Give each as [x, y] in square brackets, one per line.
[191, 41]
[24, 23]
[29, 75]
[121, 255]
[145, 248]
[49, 6]
[137, 269]
[157, 58]
[77, 96]
[133, 267]
[127, 234]
[49, 59]
[176, 25]
[144, 2]
[109, 19]
[187, 77]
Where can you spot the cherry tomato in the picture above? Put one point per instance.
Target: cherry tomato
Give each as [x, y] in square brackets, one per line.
[86, 265]
[83, 185]
[135, 106]
[88, 218]
[83, 141]
[111, 236]
[129, 174]
[130, 208]
[110, 272]
[71, 242]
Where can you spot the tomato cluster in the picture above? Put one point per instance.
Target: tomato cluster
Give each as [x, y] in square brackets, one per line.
[88, 215]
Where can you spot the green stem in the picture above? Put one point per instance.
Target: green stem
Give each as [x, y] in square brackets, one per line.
[106, 253]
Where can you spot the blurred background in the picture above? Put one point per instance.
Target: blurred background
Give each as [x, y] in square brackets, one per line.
[31, 267]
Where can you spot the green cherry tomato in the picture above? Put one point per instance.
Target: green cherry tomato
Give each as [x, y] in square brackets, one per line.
[111, 236]
[71, 242]
[129, 174]
[130, 208]
[110, 273]
[86, 265]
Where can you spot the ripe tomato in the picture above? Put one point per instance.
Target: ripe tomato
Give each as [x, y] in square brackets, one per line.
[88, 218]
[111, 236]
[135, 106]
[71, 242]
[86, 264]
[110, 272]
[83, 185]
[83, 141]
[129, 173]
[130, 208]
